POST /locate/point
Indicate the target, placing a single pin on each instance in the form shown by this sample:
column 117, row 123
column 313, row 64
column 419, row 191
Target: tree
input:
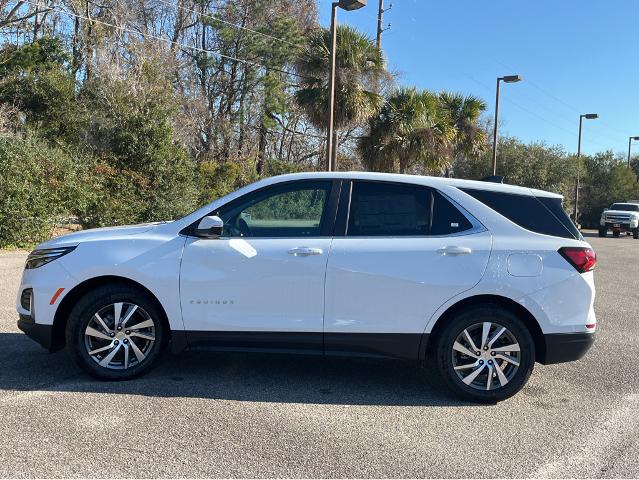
column 607, row 179
column 410, row 132
column 358, row 63
column 35, row 78
column 463, row 113
column 534, row 164
column 145, row 173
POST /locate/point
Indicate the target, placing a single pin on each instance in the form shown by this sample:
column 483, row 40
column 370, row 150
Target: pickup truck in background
column 620, row 217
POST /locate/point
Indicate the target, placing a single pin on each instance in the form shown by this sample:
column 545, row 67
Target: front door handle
column 454, row 250
column 304, row 251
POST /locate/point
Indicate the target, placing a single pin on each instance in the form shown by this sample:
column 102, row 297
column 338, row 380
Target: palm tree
column 358, row 64
column 464, row 113
column 411, row 132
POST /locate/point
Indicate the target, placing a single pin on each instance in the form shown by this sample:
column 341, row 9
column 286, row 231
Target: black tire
column 93, row 302
column 468, row 318
column 615, row 233
column 635, row 233
column 603, row 231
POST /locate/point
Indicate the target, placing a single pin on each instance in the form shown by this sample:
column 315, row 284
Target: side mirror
column 606, row 209
column 210, row 227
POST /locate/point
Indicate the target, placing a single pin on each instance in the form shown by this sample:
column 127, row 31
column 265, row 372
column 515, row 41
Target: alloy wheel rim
column 120, row 336
column 486, row 356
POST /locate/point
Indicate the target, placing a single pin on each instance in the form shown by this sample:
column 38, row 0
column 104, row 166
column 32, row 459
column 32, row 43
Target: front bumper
column 621, row 223
column 43, row 334
column 619, row 226
column 565, row 347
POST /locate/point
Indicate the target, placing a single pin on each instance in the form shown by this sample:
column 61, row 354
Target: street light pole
column 630, row 139
column 331, row 90
column 575, row 212
column 331, row 147
column 506, row 79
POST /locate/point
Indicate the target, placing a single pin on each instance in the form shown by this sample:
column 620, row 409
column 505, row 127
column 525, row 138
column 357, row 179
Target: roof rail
column 493, row 179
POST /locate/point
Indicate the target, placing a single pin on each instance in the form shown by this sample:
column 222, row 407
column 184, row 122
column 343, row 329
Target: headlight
column 37, row 258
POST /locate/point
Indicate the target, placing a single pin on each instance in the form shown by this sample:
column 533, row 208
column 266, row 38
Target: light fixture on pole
column 630, row 139
column 575, row 212
column 506, row 79
column 347, row 5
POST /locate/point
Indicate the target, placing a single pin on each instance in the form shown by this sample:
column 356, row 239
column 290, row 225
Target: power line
column 560, row 100
column 573, row 108
column 226, row 22
column 521, row 107
column 155, row 37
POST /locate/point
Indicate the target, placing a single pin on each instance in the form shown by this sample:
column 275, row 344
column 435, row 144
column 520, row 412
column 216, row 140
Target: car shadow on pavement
column 26, row 367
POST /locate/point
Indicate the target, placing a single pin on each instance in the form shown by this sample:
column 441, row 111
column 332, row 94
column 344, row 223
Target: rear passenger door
column 400, row 251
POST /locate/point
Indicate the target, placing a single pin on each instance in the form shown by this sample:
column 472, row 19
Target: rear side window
column 537, row 214
column 384, row 209
column 381, row 209
column 447, row 219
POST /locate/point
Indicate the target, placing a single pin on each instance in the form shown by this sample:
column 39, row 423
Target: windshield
column 626, row 207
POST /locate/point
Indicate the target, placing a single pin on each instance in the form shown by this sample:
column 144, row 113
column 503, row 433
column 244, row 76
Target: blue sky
column 575, row 57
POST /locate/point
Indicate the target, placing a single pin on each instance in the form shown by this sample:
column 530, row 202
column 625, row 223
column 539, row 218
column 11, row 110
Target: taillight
column 582, row 258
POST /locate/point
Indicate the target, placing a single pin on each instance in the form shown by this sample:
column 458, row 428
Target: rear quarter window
column 543, row 215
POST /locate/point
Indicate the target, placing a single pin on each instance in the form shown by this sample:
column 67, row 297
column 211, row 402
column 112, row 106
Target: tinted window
column 387, row 209
column 295, row 210
column 538, row 214
column 447, row 219
column 624, row 207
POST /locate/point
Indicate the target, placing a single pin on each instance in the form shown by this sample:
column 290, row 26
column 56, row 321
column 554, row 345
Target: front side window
column 294, row 210
column 381, row 209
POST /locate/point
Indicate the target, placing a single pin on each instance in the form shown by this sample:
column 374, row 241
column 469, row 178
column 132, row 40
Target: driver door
column 261, row 284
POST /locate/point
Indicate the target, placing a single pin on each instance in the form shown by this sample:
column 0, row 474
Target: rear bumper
column 43, row 334
column 565, row 347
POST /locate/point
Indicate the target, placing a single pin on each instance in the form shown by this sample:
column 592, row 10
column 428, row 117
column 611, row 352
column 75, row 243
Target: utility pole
column 380, row 28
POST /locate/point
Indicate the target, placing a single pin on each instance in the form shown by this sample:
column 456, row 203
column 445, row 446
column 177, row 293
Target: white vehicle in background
column 483, row 278
column 620, row 217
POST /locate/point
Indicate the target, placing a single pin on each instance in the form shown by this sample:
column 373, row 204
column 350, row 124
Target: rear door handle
column 304, row 251
column 454, row 250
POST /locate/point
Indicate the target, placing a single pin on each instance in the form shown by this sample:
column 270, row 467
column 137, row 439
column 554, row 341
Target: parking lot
column 210, row 414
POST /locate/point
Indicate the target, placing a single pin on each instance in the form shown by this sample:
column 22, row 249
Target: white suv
column 483, row 278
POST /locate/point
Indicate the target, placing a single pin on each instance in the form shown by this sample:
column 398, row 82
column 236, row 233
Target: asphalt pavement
column 204, row 414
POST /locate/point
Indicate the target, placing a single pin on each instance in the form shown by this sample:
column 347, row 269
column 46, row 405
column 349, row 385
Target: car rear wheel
column 485, row 354
column 603, row 232
column 115, row 332
column 615, row 233
column 635, row 233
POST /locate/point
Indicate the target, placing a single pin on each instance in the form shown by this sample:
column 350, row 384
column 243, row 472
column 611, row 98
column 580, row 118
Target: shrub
column 215, row 180
column 143, row 174
column 163, row 191
column 39, row 186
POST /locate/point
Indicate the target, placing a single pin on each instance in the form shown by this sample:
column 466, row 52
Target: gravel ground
column 231, row 415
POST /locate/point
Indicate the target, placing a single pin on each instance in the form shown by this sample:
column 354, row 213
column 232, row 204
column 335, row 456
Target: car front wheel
column 115, row 332
column 485, row 354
